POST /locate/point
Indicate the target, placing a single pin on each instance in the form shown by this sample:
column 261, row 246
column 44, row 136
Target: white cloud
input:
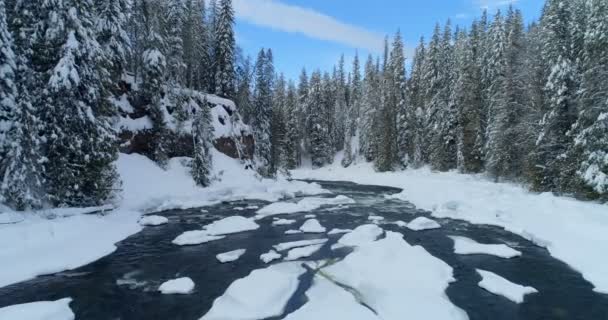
column 493, row 4
column 289, row 18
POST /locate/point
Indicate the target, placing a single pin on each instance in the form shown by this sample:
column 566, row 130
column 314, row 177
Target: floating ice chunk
column 304, row 205
column 190, row 238
column 464, row 245
column 260, row 295
column 361, row 235
column 43, row 310
column 283, row 222
column 310, row 216
column 303, row 252
column 328, row 301
column 339, row 231
column 153, row 221
column 401, row 224
column 375, row 219
column 312, row 226
column 293, row 232
column 423, row 223
column 270, row 256
column 503, row 287
column 231, row 225
column 177, row 286
column 230, row 256
column 296, row 244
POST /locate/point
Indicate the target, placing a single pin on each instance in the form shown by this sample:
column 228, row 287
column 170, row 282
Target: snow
column 339, row 231
column 383, row 277
column 328, row 301
column 303, row 252
column 260, row 295
column 230, row 225
column 464, row 245
column 270, row 256
column 147, row 187
column 38, row 245
column 304, row 205
column 134, row 125
column 361, row 235
column 191, row 238
column 423, row 223
column 283, row 222
column 375, row 219
column 501, row 286
column 293, row 232
column 44, row 310
column 295, row 244
column 312, row 226
column 177, row 286
column 230, row 256
column 153, row 220
column 573, row 231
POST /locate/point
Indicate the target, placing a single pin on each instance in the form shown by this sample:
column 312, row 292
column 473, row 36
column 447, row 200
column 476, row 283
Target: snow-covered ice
column 310, row 216
column 260, row 295
column 339, row 231
column 302, row 252
column 44, row 310
column 270, row 256
column 295, row 244
column 304, row 205
column 423, row 223
column 328, row 301
column 312, row 226
column 283, row 222
column 293, row 232
column 501, row 286
column 375, row 219
column 573, row 231
column 230, row 256
column 231, row 225
column 384, row 277
column 361, row 235
column 153, row 220
column 196, row 237
column 177, row 286
column 464, row 245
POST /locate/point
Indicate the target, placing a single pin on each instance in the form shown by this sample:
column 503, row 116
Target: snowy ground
column 36, row 245
column 573, row 231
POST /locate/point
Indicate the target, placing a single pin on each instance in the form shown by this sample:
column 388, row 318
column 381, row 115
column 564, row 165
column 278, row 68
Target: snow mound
column 295, row 244
column 153, row 221
column 464, row 245
column 303, row 252
column 260, row 295
column 503, row 287
column 283, row 222
column 328, row 301
column 339, row 231
column 270, row 256
column 361, row 235
column 312, row 226
column 44, row 310
column 230, row 256
column 177, row 286
column 196, row 237
column 230, row 225
column 423, row 223
column 304, row 205
column 385, row 279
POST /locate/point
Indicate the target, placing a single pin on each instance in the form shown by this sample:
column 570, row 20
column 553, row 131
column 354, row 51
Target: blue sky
column 314, row 33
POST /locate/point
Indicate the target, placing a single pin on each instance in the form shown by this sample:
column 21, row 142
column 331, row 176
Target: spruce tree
column 352, row 115
column 224, row 50
column 111, row 24
column 369, row 105
column 202, row 135
column 174, row 32
column 278, row 126
column 398, row 97
column 292, row 135
column 262, row 114
column 416, row 97
column 244, row 96
column 302, row 114
column 318, row 132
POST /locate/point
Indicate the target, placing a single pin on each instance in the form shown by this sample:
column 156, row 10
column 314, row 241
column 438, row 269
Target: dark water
column 123, row 285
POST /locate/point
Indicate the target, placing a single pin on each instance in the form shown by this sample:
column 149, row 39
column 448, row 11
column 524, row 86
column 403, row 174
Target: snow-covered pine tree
column 341, row 105
column 262, row 114
column 398, row 97
column 317, row 117
column 468, row 97
column 386, row 130
column 416, row 98
column 111, row 23
column 553, row 144
column 369, row 105
column 352, row 115
column 302, row 114
column 592, row 125
column 196, row 45
column 175, row 12
column 202, row 135
column 153, row 87
column 224, row 50
column 80, row 142
column 244, row 82
column 277, row 125
column 328, row 119
column 292, row 135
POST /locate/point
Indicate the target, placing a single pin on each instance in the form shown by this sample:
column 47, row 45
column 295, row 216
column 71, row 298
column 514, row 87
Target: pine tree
column 369, row 105
column 302, row 114
column 292, row 135
column 174, row 53
column 80, row 142
column 111, row 24
column 318, row 132
column 352, row 116
column 262, row 115
column 399, row 100
column 341, row 105
column 202, row 135
column 416, row 97
column 224, row 50
column 278, row 126
column 244, row 98
column 328, row 116
column 195, row 40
